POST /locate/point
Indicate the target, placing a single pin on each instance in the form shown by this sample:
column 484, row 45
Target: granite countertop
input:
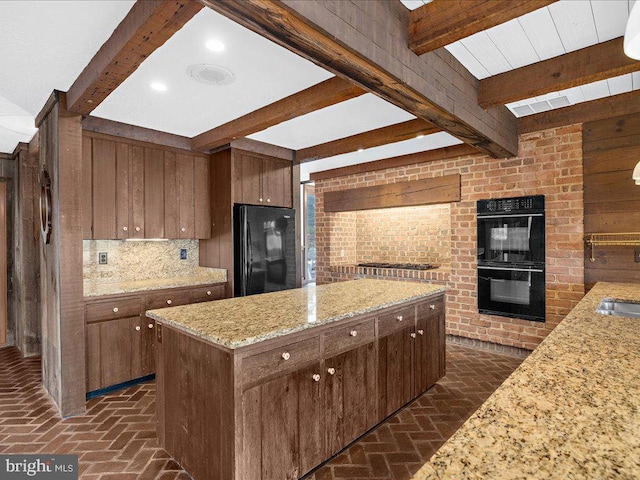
column 570, row 411
column 237, row 322
column 95, row 288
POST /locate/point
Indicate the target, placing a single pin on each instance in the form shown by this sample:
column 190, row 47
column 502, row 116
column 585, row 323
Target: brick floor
column 115, row 439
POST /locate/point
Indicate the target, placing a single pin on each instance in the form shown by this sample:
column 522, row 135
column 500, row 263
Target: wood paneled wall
column 611, row 149
column 63, row 334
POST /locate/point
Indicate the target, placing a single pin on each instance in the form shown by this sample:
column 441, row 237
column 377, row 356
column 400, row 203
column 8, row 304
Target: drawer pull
column 286, row 356
column 353, row 333
column 137, row 229
column 268, row 200
column 316, row 377
column 151, row 325
column 421, row 332
column 208, row 292
column 183, row 229
column 399, row 318
column 413, row 335
column 124, row 229
column 432, row 307
column 115, row 309
column 331, row 371
column 261, row 200
column 169, row 302
column 137, row 328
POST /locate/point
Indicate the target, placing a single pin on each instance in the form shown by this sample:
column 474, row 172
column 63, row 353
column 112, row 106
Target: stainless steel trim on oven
column 511, row 269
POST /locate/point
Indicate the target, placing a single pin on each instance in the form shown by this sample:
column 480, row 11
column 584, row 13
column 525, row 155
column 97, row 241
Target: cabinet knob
column 183, row 229
column 151, row 325
column 137, row 229
column 268, row 200
column 260, row 199
column 208, row 292
column 399, row 318
column 169, row 302
column 124, row 229
column 353, row 333
column 137, row 328
column 286, row 356
column 115, row 309
column 316, row 377
column 432, row 307
column 421, row 332
column 331, row 371
column 413, row 335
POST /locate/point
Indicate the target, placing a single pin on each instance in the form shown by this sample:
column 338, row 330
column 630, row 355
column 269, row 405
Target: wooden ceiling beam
column 373, row 138
column 365, row 42
column 617, row 105
column 147, row 26
column 443, row 22
column 591, row 64
column 321, row 95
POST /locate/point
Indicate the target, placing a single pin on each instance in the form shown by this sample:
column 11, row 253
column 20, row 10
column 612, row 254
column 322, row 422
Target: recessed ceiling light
column 361, row 150
column 158, row 86
column 420, row 136
column 215, row 45
column 210, row 74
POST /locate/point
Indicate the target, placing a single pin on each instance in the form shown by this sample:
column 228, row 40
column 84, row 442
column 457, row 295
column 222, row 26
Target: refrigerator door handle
column 250, row 269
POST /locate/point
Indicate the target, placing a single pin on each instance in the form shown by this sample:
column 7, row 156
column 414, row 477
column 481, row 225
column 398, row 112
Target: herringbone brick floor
column 116, row 439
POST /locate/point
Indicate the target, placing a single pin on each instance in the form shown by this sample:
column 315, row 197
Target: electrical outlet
column 102, row 258
column 183, row 254
column 637, row 255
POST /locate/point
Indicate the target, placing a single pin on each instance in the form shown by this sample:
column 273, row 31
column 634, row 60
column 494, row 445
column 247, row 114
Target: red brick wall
column 550, row 163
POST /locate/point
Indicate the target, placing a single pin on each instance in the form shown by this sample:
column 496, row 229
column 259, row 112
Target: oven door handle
column 511, row 269
column 508, row 215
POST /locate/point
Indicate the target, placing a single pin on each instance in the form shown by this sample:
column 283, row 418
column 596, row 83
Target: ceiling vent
column 210, row 74
column 542, row 106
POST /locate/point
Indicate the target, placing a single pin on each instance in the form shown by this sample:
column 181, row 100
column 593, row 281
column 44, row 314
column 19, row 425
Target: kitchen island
column 571, row 410
column 269, row 386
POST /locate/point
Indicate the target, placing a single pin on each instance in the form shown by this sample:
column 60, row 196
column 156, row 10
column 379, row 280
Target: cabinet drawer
column 348, row 337
column 112, row 309
column 391, row 322
column 207, row 293
column 430, row 308
column 169, row 299
column 280, row 360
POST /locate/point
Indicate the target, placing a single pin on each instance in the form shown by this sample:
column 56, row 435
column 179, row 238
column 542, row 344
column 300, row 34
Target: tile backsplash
column 139, row 260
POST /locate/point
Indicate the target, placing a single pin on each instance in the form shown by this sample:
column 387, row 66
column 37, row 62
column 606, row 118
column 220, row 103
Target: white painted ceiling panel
column 635, row 78
column 264, row 72
column 464, row 56
column 16, row 125
column 610, row 18
column 539, row 28
column 486, row 52
column 513, row 43
column 575, row 24
column 595, row 90
column 621, row 84
column 366, row 112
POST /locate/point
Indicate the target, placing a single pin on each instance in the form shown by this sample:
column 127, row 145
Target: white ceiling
column 40, row 55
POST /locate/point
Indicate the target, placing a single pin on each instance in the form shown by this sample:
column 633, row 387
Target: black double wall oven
column 511, row 257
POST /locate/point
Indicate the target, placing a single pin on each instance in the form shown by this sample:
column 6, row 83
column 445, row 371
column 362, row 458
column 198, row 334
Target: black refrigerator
column 264, row 241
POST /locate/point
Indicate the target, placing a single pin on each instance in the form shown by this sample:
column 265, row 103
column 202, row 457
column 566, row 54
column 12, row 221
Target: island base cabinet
column 282, row 427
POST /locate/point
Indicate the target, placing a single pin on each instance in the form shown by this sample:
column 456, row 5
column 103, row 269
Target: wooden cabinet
column 261, row 180
column 136, row 191
column 294, row 401
column 120, row 339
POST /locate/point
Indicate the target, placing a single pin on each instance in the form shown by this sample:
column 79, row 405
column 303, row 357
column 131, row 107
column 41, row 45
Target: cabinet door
column 143, row 346
column 136, row 193
column 153, row 193
column 395, row 369
column 171, row 196
column 350, row 396
column 109, row 352
column 87, row 188
column 276, row 182
column 282, row 426
column 104, row 189
column 123, row 190
column 186, row 199
column 202, row 199
column 429, row 345
column 247, row 181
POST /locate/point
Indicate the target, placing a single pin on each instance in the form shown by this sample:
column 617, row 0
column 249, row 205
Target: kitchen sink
column 608, row 306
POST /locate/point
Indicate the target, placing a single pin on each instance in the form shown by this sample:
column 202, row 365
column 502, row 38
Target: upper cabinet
column 261, row 180
column 132, row 190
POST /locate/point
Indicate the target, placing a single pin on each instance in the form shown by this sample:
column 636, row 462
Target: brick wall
column 549, row 163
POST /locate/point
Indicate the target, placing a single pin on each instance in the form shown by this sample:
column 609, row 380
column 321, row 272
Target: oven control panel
column 511, row 205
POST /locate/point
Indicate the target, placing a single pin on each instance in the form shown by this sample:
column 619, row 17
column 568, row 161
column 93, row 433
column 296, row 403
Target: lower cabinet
column 120, row 339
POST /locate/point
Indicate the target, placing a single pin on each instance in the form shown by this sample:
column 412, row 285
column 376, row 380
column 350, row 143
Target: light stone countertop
column 237, row 322
column 96, row 288
column 570, row 411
